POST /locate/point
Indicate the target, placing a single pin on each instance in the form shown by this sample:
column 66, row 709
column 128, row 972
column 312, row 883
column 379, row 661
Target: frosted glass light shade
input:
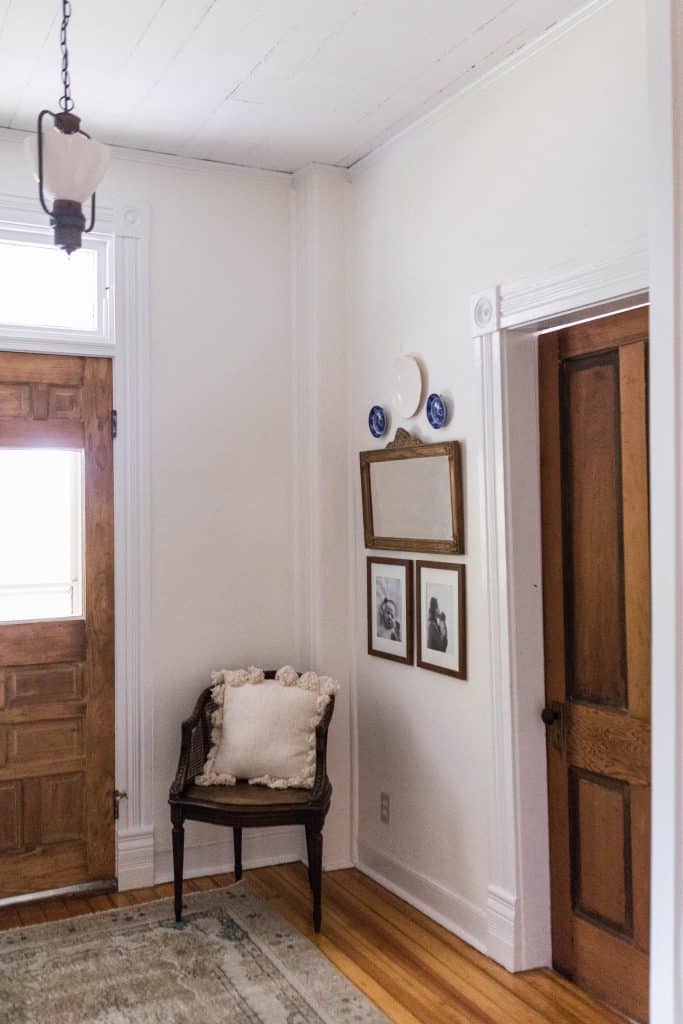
column 73, row 166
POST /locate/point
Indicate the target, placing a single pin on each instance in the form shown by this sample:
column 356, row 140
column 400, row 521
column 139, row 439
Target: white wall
column 541, row 166
column 224, row 571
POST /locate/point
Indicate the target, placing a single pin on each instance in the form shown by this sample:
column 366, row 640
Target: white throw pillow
column 264, row 730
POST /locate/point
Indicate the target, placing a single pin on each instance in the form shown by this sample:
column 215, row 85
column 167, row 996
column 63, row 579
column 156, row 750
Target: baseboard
column 443, row 905
column 341, row 864
column 261, row 847
column 502, row 938
column 135, row 858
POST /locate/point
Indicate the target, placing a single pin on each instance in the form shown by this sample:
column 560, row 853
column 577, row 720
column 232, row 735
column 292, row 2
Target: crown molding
column 480, row 81
column 170, row 161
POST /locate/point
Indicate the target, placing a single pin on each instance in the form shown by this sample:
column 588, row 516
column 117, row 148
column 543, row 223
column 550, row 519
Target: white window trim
column 25, row 215
column 123, row 231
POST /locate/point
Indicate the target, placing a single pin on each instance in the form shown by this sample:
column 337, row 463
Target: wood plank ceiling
column 264, row 83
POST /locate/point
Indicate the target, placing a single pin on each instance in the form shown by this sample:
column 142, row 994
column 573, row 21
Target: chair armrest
column 194, row 747
column 321, row 752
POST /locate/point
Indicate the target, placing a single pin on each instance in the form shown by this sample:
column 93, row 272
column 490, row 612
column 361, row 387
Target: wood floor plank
column 123, row 899
column 460, row 985
column 384, row 959
column 412, row 968
column 101, row 902
column 9, row 918
column 456, row 954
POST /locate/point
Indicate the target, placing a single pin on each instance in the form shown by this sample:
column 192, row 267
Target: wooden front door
column 56, row 638
column 596, row 596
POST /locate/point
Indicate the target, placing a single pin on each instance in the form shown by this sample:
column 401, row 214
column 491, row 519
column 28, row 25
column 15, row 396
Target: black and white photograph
column 389, row 602
column 390, row 609
column 441, row 634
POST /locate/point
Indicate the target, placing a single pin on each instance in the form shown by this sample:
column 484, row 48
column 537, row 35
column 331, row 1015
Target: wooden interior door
column 596, row 587
column 57, row 674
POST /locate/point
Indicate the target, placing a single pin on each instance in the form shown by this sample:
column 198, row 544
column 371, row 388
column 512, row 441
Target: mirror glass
column 412, row 498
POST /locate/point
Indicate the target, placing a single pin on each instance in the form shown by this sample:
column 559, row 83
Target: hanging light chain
column 66, row 102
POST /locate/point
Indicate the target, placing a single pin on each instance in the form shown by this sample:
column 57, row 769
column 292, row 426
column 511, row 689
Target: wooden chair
column 244, row 806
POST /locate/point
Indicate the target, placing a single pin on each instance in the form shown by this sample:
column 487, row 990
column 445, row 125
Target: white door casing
column 123, row 233
column 506, row 322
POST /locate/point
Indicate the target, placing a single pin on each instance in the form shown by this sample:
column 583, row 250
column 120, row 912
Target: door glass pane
column 41, row 534
column 42, row 288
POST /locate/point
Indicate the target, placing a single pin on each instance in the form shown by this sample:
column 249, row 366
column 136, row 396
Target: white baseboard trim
column 342, row 864
column 135, row 858
column 261, row 847
column 503, row 940
column 448, row 908
column 139, row 865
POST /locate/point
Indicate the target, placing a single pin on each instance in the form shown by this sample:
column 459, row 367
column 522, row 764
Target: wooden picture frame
column 440, row 598
column 402, row 449
column 398, row 576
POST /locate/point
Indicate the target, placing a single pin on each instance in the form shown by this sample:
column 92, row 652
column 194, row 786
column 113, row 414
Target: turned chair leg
column 315, row 867
column 309, row 854
column 178, row 850
column 237, row 840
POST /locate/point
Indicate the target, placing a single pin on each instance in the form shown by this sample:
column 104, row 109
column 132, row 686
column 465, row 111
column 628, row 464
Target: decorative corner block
column 484, row 312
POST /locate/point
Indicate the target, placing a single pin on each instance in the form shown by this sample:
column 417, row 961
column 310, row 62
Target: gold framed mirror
column 412, row 496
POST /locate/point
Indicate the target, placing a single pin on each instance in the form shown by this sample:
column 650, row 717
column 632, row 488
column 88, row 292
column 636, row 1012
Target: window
column 42, row 287
column 41, row 534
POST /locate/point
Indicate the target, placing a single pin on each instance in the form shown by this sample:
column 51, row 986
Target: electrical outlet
column 384, row 808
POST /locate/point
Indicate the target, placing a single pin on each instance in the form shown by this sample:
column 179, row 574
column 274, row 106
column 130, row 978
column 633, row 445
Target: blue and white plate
column 436, row 411
column 377, row 421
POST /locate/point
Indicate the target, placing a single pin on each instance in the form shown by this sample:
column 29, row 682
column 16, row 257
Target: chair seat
column 244, row 795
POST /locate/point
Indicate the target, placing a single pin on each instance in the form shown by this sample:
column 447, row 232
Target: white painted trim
column 518, row 903
column 125, row 227
column 482, row 80
column 572, row 289
column 134, row 855
column 448, row 908
column 261, row 847
column 665, row 23
column 132, row 510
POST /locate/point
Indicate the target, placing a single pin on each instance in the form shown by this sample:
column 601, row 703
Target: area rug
column 233, row 960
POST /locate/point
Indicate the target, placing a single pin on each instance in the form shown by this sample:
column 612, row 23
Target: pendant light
column 68, row 165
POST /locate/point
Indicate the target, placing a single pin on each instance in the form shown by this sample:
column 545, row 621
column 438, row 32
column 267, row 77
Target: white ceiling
column 266, row 83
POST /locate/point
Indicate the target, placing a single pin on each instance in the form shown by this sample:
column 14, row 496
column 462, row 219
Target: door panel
column 594, row 578
column 593, row 418
column 57, row 675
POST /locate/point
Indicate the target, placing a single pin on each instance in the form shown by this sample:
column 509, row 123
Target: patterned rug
column 233, row 960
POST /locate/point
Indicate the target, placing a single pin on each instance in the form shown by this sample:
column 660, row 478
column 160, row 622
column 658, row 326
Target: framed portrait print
column 390, row 609
column 441, row 626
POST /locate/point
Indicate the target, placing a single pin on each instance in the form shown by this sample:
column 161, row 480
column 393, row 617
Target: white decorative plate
column 406, row 389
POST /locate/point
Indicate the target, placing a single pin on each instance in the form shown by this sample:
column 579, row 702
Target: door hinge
column 118, row 797
column 114, row 423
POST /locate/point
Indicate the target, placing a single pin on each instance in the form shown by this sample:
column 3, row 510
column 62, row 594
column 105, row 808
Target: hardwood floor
column 411, row 967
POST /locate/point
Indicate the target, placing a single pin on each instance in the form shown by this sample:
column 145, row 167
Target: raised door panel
column 592, row 533
column 11, row 829
column 46, row 742
column 62, row 809
column 601, row 852
column 15, row 401
column 40, row 684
